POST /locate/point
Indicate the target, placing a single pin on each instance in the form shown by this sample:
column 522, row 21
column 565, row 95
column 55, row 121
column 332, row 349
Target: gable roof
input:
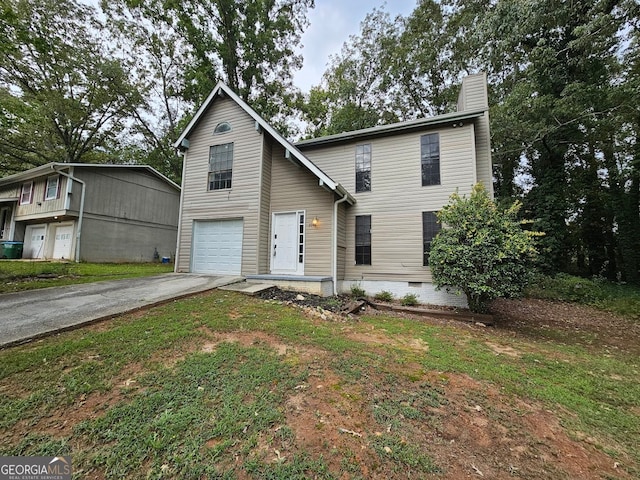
column 52, row 167
column 323, row 179
column 393, row 128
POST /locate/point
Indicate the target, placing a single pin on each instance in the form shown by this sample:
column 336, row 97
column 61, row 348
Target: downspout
column 80, row 213
column 335, row 243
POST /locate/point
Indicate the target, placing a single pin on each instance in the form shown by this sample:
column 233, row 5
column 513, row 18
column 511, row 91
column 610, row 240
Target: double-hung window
column 220, row 166
column 363, row 240
column 26, row 194
column 363, row 168
column 430, row 159
column 430, row 228
column 53, row 188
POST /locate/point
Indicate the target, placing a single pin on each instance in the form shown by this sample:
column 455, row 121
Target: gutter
column 334, row 267
column 80, row 213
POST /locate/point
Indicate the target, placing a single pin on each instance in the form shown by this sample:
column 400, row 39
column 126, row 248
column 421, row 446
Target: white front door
column 287, row 243
column 62, row 243
column 34, row 241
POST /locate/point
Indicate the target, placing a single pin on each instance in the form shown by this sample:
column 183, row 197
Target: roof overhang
column 51, row 168
column 293, row 153
column 392, row 129
column 9, row 200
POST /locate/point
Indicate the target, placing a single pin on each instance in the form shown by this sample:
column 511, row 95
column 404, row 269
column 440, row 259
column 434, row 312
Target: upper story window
column 26, row 194
column 222, row 127
column 220, row 166
column 53, row 188
column 363, row 168
column 363, row 240
column 430, row 159
column 430, row 228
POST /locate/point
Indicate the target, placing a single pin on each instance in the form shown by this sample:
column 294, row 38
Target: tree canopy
column 63, row 96
column 117, row 84
column 565, row 109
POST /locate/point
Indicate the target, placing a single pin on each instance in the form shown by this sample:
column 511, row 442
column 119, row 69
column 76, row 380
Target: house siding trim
column 323, row 179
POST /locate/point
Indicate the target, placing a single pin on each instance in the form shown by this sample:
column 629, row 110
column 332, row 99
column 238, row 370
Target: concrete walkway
column 36, row 313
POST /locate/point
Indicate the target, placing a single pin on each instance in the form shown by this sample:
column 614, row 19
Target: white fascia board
column 198, row 114
column 288, row 146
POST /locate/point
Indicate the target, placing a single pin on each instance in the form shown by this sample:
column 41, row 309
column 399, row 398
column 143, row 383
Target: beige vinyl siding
column 473, row 96
column 397, row 198
column 242, row 200
column 342, row 241
column 40, row 207
column 265, row 211
column 483, row 153
column 294, row 188
column 473, row 93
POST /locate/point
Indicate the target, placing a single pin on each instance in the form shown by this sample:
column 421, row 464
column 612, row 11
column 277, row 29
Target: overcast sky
column 331, row 23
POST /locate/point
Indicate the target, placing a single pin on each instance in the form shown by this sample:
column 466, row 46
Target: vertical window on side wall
column 220, row 166
column 363, row 240
column 26, row 194
column 363, row 168
column 430, row 159
column 53, row 188
column 430, row 228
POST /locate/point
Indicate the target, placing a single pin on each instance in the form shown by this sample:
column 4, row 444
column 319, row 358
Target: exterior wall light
column 315, row 222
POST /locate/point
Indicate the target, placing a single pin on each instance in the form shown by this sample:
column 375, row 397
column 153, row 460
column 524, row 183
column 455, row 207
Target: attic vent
column 222, row 127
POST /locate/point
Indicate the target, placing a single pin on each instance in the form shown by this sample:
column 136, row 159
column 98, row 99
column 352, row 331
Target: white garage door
column 217, row 247
column 62, row 243
column 34, row 241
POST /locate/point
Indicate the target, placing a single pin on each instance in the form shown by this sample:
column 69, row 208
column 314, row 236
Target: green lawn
column 226, row 386
column 18, row 276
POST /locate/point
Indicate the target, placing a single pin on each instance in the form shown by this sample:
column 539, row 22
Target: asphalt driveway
column 35, row 313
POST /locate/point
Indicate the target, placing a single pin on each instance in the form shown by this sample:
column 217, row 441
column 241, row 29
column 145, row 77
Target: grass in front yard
column 19, row 276
column 225, row 386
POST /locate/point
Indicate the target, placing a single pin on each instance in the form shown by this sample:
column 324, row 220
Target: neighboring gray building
column 103, row 213
column 327, row 213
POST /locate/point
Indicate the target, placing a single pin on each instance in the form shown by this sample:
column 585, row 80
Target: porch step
column 248, row 288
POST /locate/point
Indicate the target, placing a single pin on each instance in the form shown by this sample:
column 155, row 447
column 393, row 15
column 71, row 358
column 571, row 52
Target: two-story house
column 90, row 212
column 357, row 208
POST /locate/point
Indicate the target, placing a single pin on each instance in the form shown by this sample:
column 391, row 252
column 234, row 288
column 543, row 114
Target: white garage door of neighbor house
column 62, row 243
column 34, row 241
column 217, row 247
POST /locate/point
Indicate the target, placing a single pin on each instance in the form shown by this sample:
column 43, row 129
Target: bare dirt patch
column 568, row 323
column 471, row 429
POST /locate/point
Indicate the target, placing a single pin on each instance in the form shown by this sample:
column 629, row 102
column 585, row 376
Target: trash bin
column 11, row 250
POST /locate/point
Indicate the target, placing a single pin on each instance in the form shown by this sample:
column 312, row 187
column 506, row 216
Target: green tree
column 156, row 58
column 64, row 96
column 349, row 96
column 250, row 44
column 394, row 69
column 482, row 249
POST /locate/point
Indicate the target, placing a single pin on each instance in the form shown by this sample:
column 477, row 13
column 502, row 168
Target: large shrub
column 481, row 249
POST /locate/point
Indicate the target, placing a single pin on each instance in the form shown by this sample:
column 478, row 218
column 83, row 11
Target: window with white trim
column 53, row 188
column 430, row 228
column 363, row 240
column 222, row 127
column 220, row 166
column 300, row 237
column 26, row 194
column 430, row 159
column 363, row 168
